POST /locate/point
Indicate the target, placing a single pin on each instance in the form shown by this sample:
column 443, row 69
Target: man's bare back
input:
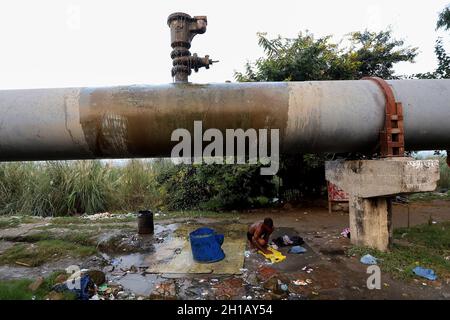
column 258, row 234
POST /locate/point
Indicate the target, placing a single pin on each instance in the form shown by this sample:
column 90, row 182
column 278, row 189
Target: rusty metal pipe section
column 183, row 28
column 137, row 121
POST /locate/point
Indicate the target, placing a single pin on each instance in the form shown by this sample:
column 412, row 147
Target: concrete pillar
column 370, row 223
column 371, row 184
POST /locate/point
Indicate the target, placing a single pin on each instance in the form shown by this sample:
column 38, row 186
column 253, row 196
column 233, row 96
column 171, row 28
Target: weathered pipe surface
column 137, row 121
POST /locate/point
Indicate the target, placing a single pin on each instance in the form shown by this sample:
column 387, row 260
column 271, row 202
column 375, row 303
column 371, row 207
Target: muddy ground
column 325, row 271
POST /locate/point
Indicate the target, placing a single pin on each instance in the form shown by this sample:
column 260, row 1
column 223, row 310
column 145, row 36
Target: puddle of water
column 139, row 284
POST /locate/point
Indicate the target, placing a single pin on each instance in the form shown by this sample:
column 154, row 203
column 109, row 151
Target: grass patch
column 434, row 236
column 43, row 251
column 15, row 290
column 429, row 196
column 79, row 237
column 9, row 223
column 427, row 246
column 19, row 289
column 15, row 221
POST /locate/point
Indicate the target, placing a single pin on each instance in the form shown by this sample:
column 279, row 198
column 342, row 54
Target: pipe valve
column 183, row 28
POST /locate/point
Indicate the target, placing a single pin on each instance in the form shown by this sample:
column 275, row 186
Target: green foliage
column 137, row 186
column 215, row 187
column 443, row 69
column 376, row 53
column 15, row 289
column 306, row 58
column 63, row 188
column 444, row 19
column 19, row 289
column 13, row 186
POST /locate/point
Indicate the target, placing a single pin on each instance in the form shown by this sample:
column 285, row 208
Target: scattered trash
column 247, row 254
column 425, row 273
column 36, row 284
column 307, row 269
column 300, row 283
column 297, row 250
column 346, row 233
column 368, row 259
column 103, row 287
column 86, row 290
column 107, row 215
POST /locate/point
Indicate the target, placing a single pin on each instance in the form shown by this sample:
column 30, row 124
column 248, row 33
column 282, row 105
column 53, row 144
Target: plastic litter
column 346, row 233
column 297, row 250
column 300, row 283
column 368, row 259
column 425, row 273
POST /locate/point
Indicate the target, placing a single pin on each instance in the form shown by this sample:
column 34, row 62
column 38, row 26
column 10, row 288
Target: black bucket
column 145, row 222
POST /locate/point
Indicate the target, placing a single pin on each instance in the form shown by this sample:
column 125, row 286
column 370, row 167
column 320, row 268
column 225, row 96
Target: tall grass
column 61, row 188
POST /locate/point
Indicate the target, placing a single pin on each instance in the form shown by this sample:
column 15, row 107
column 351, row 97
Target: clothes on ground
column 285, row 241
column 297, row 250
column 425, row 273
column 275, row 256
column 83, row 292
column 368, row 259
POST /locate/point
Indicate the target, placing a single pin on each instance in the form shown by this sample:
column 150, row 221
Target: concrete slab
column 370, row 183
column 383, row 177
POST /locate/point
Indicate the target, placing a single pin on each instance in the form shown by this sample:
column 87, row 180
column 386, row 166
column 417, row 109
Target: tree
column 443, row 69
column 306, row 58
column 444, row 19
column 377, row 53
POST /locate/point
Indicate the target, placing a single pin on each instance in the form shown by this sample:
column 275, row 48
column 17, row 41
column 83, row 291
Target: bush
column 60, row 188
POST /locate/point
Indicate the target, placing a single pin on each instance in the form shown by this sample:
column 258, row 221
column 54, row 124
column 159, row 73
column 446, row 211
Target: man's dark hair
column 268, row 222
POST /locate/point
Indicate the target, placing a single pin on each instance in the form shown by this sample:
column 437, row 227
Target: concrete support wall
column 370, row 184
column 370, row 223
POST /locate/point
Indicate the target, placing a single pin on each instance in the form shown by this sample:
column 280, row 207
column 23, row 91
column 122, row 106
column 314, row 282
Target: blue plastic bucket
column 206, row 245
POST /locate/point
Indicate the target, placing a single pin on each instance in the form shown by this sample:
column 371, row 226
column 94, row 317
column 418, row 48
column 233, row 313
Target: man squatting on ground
column 258, row 234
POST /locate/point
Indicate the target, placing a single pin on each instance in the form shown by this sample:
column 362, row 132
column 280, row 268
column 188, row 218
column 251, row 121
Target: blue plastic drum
column 206, row 245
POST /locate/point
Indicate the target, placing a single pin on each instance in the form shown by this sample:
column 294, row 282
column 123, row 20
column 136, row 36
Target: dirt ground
column 323, row 272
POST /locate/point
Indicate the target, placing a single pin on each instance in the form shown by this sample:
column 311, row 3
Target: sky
column 71, row 43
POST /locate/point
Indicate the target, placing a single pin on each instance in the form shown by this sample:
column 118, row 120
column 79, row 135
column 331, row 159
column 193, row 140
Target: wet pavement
column 323, row 272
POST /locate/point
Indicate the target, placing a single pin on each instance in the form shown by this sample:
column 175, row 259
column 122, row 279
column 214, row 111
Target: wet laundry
column 285, row 241
column 297, row 250
column 274, row 257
